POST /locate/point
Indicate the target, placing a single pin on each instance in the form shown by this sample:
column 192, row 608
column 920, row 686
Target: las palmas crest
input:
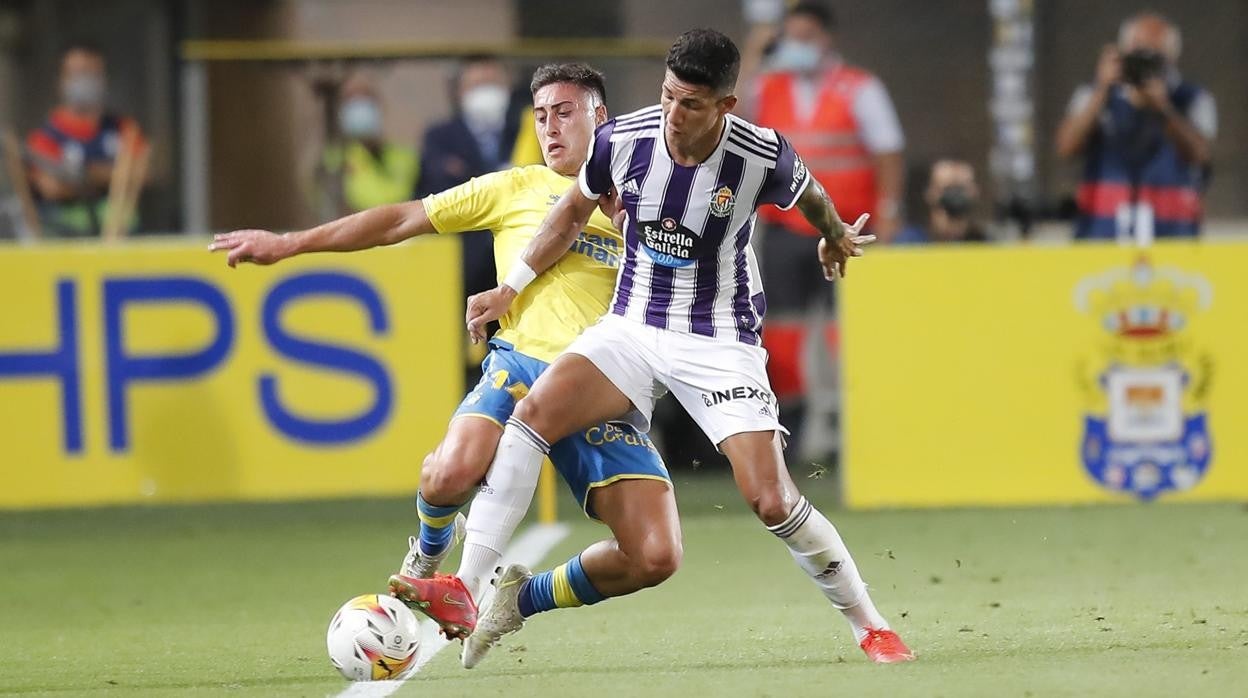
column 1147, row 381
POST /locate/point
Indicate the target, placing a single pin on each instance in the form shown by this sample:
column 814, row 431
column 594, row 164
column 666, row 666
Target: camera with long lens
column 1141, row 65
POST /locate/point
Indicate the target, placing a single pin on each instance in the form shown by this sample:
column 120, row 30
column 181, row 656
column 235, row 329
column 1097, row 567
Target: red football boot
column 885, row 647
column 443, row 598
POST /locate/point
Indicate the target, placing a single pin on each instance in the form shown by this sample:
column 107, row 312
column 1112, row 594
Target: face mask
column 797, row 56
column 485, row 107
column 83, row 91
column 956, row 201
column 360, row 117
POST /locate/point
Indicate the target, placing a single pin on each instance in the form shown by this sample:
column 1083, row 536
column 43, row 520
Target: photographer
column 952, row 198
column 1145, row 135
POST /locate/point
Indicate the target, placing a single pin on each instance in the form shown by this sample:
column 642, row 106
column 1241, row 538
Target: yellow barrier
column 152, row 372
column 1046, row 375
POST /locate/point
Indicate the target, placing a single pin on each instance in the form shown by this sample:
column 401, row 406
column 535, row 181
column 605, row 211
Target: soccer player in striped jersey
column 686, row 315
column 614, row 471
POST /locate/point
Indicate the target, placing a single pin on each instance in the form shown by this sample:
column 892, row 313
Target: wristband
column 520, row 276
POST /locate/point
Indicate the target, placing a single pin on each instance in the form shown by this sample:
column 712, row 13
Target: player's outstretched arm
column 554, row 237
column 837, row 241
column 382, row 225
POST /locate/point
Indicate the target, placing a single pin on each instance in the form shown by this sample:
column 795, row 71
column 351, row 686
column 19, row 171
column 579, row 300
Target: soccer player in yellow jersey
column 613, row 470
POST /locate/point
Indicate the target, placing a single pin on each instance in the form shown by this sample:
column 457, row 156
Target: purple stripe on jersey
column 648, row 112
column 598, row 167
column 663, row 279
column 639, row 128
column 751, row 148
column 748, row 137
column 638, row 168
column 702, row 314
column 742, row 309
column 787, row 178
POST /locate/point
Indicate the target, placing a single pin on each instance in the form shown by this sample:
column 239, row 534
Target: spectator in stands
column 477, row 139
column 73, row 153
column 1145, row 135
column 951, row 197
column 839, row 118
column 360, row 169
column 842, row 122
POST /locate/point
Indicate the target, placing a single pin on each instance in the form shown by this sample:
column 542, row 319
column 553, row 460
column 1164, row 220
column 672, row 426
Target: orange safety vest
column 827, row 141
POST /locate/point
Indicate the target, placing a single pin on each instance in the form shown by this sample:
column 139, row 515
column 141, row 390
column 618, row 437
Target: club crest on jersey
column 722, row 202
column 1146, row 383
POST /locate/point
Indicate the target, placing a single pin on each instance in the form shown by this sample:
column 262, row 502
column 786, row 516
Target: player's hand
column 612, row 207
column 486, row 307
column 835, row 257
column 255, row 246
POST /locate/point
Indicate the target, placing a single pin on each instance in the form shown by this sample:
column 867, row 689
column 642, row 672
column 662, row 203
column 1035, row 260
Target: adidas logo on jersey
column 630, row 187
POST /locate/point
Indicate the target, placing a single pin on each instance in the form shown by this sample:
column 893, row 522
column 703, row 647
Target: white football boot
column 500, row 618
column 422, row 566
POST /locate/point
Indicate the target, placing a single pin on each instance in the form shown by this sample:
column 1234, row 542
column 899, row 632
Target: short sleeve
column 878, row 125
column 784, row 185
column 1203, row 113
column 1079, row 99
column 474, row 205
column 595, row 176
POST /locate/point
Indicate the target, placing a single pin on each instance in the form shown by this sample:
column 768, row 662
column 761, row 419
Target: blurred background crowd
column 969, row 121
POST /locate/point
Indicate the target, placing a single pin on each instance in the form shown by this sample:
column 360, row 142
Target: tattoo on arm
column 817, row 207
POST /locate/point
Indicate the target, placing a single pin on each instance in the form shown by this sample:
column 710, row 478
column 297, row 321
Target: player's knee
column 771, row 506
column 531, row 413
column 657, row 563
column 450, row 478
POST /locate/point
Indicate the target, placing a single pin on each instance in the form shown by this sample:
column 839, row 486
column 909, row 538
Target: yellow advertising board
column 1039, row 375
column 153, row 372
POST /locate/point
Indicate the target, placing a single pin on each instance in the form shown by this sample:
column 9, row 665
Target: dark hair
column 705, row 57
column 582, row 75
column 822, row 14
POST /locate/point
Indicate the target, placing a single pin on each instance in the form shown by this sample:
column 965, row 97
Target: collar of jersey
column 719, row 147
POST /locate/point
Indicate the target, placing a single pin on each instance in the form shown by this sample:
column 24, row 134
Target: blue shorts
column 596, row 457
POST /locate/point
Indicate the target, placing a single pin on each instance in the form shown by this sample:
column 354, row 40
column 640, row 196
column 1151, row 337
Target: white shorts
column 721, row 384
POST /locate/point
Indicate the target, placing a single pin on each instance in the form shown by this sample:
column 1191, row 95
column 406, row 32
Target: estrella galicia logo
column 670, row 244
column 741, row 392
column 1147, row 383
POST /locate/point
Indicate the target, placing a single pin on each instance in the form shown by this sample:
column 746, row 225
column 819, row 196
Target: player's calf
column 451, row 477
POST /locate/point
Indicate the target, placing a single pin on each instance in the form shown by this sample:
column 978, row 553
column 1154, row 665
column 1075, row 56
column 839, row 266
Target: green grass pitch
column 1126, row 600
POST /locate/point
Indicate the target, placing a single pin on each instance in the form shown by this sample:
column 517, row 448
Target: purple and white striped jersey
column 688, row 265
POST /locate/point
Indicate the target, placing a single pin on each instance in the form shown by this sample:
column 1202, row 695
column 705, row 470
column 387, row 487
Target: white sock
column 501, row 503
column 476, row 567
column 819, row 551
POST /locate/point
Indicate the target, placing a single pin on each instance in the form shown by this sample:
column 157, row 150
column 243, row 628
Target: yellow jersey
column 561, row 302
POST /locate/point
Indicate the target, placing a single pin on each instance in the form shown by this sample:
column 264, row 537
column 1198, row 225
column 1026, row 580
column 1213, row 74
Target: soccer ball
column 373, row 637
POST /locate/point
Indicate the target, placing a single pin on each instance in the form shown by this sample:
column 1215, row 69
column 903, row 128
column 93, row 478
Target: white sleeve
column 1079, row 99
column 877, row 120
column 1203, row 113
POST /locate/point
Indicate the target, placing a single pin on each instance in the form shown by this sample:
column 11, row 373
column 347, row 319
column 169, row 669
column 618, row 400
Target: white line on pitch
column 528, row 549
